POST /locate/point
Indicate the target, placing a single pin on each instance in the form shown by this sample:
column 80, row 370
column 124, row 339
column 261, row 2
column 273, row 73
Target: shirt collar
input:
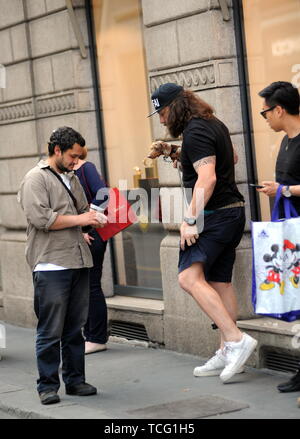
column 43, row 164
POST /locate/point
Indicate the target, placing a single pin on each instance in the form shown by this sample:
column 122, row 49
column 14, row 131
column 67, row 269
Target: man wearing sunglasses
column 281, row 111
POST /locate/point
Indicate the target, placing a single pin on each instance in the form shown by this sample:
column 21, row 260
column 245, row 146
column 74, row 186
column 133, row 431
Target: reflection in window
column 273, row 54
column 125, row 98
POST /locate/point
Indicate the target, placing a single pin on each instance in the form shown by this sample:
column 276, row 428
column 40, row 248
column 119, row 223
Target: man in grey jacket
column 56, row 210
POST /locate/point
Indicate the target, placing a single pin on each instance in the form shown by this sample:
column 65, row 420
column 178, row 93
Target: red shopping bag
column 119, row 213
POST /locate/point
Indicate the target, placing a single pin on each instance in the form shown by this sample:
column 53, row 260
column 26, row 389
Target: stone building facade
column 49, row 83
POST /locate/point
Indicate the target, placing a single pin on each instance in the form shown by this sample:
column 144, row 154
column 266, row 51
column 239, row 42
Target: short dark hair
column 284, row 94
column 64, row 137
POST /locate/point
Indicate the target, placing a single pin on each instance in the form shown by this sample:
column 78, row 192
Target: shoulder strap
column 86, row 184
column 66, row 187
column 85, row 229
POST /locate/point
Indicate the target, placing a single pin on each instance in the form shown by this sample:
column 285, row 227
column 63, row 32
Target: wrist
column 189, row 220
column 286, row 191
column 80, row 220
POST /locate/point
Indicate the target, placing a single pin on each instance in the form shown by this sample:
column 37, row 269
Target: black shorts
column 215, row 247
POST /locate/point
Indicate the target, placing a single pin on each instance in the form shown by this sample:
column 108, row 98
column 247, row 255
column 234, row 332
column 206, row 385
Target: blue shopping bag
column 276, row 263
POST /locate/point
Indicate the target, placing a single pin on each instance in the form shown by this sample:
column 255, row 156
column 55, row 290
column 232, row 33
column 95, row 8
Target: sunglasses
column 263, row 113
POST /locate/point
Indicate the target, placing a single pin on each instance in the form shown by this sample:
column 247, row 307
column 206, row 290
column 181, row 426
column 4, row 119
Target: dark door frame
column 238, row 17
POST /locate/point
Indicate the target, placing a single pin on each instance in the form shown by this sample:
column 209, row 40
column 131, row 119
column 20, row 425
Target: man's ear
column 57, row 150
column 280, row 111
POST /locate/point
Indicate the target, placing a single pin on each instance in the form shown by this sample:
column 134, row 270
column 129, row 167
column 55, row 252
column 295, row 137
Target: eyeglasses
column 263, row 113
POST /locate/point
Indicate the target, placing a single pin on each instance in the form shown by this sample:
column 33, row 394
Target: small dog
column 166, row 149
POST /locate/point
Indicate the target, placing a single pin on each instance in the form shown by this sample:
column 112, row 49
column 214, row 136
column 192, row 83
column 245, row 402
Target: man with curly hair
column 207, row 254
column 56, row 210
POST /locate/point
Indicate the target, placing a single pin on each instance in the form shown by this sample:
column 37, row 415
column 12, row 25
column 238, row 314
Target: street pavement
column 134, row 381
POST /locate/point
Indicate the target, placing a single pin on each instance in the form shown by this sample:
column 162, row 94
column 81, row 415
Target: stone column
column 189, row 43
column 49, row 85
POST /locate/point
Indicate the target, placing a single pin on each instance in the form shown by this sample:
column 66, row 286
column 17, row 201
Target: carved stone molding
column 72, row 101
column 55, row 104
column 16, row 111
column 194, row 78
column 198, row 76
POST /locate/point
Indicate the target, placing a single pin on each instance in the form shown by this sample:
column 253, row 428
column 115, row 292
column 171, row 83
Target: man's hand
column 188, row 235
column 177, row 165
column 270, row 188
column 88, row 238
column 92, row 218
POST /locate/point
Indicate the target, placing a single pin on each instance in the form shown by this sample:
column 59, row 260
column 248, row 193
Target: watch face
column 287, row 193
column 190, row 221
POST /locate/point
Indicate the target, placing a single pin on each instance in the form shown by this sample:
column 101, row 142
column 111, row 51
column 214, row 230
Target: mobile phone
column 257, row 186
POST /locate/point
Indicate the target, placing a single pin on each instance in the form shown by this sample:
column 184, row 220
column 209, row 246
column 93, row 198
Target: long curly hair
column 184, row 107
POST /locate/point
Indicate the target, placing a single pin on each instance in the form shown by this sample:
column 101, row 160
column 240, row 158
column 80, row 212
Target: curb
column 22, row 414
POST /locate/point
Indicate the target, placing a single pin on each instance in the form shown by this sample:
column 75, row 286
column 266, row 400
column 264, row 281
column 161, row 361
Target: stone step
column 273, row 335
column 136, row 310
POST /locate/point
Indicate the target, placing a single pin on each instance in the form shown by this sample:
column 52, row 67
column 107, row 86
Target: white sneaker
column 236, row 355
column 90, row 347
column 214, row 366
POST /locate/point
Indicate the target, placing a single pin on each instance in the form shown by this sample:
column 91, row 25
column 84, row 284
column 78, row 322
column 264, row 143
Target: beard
column 62, row 168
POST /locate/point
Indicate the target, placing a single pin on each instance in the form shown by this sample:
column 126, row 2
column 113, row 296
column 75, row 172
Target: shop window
column 127, row 132
column 272, row 41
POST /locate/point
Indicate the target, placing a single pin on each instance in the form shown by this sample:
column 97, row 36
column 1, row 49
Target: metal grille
column 131, row 331
column 281, row 361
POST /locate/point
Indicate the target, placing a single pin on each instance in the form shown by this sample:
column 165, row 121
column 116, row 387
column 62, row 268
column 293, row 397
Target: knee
column 185, row 282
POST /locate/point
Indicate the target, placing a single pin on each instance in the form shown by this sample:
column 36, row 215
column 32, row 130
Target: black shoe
column 293, row 385
column 81, row 389
column 50, row 397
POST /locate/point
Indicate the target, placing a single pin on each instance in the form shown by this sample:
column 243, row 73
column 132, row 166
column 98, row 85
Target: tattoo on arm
column 204, row 161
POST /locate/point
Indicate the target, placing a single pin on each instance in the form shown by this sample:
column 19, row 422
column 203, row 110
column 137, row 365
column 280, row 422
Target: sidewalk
column 136, row 382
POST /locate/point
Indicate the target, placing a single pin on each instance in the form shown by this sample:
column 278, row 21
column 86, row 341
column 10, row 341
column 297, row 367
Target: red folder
column 119, row 213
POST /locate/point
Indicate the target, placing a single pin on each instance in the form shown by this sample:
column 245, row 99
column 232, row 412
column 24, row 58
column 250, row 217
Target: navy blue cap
column 164, row 95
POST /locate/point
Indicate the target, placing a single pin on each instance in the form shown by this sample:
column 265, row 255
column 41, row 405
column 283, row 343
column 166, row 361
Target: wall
column 49, row 84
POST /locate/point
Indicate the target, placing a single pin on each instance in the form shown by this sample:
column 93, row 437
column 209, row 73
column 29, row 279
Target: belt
column 229, row 206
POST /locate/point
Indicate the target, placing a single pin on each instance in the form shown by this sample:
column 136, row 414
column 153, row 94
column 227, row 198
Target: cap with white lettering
column 164, row 95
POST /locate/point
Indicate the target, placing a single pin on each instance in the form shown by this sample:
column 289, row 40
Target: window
column 273, row 54
column 127, row 131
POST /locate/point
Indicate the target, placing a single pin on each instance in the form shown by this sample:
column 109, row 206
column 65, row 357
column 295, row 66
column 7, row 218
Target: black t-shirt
column 203, row 138
column 288, row 165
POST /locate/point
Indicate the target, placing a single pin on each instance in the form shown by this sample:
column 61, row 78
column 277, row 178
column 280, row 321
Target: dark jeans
column 61, row 306
column 95, row 329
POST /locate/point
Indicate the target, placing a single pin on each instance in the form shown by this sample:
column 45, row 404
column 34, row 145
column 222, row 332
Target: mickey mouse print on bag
column 276, row 264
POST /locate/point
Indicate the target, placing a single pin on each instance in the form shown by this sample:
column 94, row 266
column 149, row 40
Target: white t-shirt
column 44, row 266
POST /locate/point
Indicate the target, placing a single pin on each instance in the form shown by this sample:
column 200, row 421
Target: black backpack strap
column 85, row 229
column 65, row 186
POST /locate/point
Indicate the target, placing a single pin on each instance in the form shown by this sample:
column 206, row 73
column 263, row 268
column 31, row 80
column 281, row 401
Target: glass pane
column 273, row 54
column 124, row 92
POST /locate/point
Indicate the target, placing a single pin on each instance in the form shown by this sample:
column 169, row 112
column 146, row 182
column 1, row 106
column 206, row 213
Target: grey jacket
column 43, row 198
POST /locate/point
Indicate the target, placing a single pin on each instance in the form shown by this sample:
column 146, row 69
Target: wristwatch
column 190, row 221
column 286, row 191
